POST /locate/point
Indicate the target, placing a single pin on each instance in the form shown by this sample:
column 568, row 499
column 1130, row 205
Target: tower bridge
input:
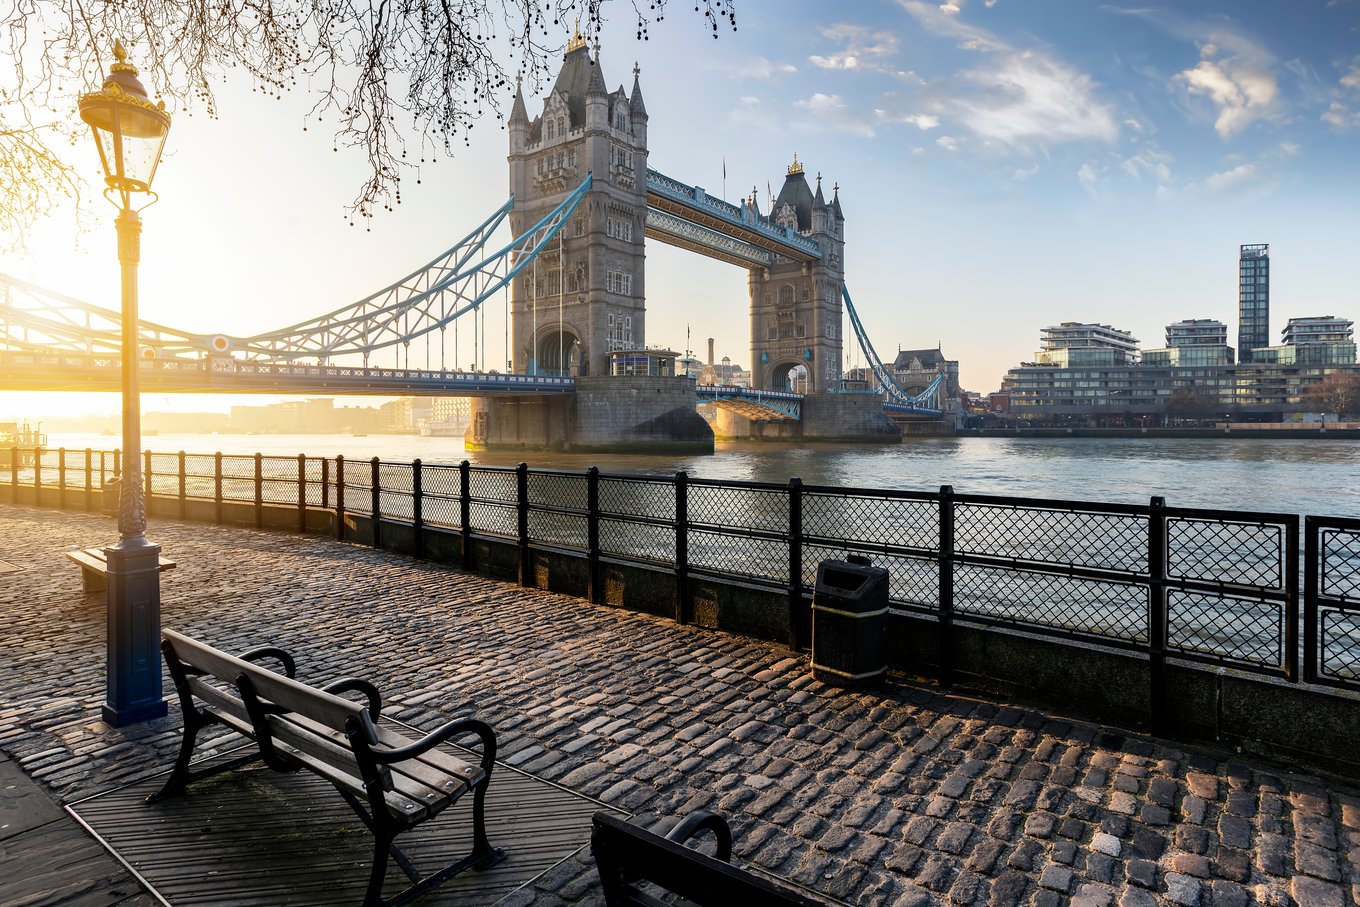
column 583, row 203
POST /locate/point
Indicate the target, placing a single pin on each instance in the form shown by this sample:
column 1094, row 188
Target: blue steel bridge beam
column 692, row 204
column 677, row 231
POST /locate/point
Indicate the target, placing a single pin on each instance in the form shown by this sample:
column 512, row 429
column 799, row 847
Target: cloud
column 1241, row 89
column 1019, row 98
column 1339, row 114
column 1087, row 176
column 1238, row 177
column 1020, row 174
column 922, row 121
column 1341, row 117
column 948, row 143
column 860, row 48
column 828, row 112
column 753, row 113
column 761, row 68
column 1149, row 162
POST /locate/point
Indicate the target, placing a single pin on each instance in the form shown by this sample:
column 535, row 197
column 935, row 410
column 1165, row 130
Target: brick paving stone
column 1228, row 894
column 1056, row 878
column 1142, row 873
column 1182, row 889
column 1308, row 892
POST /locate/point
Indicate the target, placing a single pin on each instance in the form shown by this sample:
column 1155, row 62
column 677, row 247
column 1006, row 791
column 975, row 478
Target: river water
column 1285, row 476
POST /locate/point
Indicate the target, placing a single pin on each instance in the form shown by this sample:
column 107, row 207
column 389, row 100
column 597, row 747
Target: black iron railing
column 1209, row 586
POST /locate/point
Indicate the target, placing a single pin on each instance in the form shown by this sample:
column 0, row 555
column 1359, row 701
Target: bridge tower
column 585, row 296
column 796, row 307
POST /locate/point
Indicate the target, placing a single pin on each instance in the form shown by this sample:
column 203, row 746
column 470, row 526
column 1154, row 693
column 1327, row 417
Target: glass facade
column 1253, row 294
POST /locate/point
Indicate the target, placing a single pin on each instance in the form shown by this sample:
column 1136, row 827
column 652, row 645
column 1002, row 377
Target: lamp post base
column 135, row 691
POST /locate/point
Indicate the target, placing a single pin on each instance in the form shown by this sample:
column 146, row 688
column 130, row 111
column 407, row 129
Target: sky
column 1003, row 165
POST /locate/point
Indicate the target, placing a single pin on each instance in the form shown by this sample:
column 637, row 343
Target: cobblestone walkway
column 902, row 796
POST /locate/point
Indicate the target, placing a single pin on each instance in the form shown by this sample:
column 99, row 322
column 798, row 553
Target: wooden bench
column 94, row 567
column 628, row 856
column 392, row 782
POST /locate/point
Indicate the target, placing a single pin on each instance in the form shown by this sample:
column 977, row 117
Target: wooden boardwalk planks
column 257, row 837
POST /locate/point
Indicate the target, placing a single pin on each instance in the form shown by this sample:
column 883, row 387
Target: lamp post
column 130, row 132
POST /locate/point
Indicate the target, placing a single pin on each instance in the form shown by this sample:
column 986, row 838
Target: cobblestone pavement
column 904, row 796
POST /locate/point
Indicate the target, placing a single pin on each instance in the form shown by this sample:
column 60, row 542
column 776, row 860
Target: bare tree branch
column 387, row 73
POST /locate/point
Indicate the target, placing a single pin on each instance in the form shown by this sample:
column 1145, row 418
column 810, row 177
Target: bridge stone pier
column 610, row 413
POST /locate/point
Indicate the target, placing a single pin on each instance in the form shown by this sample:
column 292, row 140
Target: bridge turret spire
column 519, row 113
column 639, row 109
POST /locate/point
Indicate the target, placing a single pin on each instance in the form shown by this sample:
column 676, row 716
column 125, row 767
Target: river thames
column 1285, row 476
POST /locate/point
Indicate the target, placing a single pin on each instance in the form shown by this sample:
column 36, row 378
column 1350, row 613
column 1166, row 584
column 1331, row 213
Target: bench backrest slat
column 326, row 708
column 624, row 852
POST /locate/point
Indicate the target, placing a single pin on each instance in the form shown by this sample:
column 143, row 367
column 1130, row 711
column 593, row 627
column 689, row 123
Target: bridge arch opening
column 790, row 376
column 559, row 353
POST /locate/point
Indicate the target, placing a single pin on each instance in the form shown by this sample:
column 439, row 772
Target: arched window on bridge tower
column 561, row 126
column 548, row 131
column 786, row 295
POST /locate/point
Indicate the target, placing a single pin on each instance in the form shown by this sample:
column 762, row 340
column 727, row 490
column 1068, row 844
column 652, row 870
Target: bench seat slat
column 332, row 710
column 224, row 705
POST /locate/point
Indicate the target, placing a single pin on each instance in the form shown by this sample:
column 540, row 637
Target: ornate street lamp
column 130, row 131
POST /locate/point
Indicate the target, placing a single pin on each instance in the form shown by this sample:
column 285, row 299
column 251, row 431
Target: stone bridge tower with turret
column 796, row 308
column 585, row 294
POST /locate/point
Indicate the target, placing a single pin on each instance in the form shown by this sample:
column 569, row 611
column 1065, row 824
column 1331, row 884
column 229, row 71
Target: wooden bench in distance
column 94, row 567
column 392, row 782
column 628, row 855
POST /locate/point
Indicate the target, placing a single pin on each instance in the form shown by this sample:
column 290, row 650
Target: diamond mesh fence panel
column 440, row 490
column 164, row 474
column 358, row 485
column 280, row 480
column 1249, row 554
column 760, row 509
column 912, row 581
column 1339, row 642
column 569, row 530
column 568, row 492
column 1243, row 630
column 637, row 541
column 199, row 472
column 74, row 461
column 1113, row 541
column 1108, row 609
column 1339, row 572
column 874, row 521
column 238, row 478
column 45, row 467
column 653, row 498
column 494, row 519
column 741, row 555
column 487, row 484
column 396, row 490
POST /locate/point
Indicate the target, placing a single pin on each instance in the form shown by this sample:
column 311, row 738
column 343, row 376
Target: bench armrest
column 355, row 684
column 289, row 667
column 696, row 822
column 454, row 728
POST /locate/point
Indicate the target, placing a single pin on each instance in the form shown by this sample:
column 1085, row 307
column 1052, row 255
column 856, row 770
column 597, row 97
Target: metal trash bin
column 850, row 623
column 109, row 495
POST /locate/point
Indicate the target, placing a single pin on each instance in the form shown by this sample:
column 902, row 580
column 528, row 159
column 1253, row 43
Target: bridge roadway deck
column 904, row 796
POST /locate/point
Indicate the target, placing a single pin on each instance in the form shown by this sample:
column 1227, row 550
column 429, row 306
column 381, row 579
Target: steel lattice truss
column 426, row 300
column 898, row 399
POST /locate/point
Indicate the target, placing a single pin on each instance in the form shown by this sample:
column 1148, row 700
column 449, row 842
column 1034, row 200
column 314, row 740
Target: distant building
column 1194, row 342
column 916, row 370
column 723, row 372
column 1253, row 300
column 1089, row 345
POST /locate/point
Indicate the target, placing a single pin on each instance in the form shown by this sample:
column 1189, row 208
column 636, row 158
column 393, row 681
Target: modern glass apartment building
column 1193, row 342
column 1253, row 295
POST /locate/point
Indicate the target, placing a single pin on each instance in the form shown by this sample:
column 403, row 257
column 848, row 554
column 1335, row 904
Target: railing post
column 376, row 504
column 259, row 491
column 183, row 485
column 89, row 479
column 795, row 561
column 147, row 480
column 681, row 545
column 61, row 478
column 522, row 522
column 217, row 487
column 302, row 493
column 14, row 474
column 1291, row 607
column 593, row 534
column 340, row 498
column 946, row 568
column 417, row 510
column 1312, row 567
column 325, row 484
column 465, row 511
column 1157, row 631
column 37, row 476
